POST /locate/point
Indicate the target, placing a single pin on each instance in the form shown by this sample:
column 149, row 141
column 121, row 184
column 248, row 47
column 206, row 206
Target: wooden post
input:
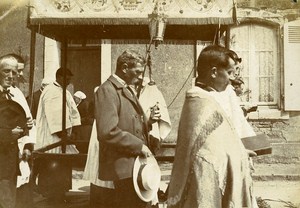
column 64, row 100
column 227, row 37
column 32, row 63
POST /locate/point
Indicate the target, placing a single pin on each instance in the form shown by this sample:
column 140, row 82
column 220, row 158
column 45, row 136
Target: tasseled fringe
column 128, row 21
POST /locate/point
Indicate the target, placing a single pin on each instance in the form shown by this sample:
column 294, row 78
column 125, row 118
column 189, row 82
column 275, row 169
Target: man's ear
column 214, row 72
column 124, row 68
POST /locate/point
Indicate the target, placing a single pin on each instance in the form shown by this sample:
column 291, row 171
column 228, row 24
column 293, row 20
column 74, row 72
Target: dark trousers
column 25, row 196
column 101, row 197
column 7, row 193
column 125, row 195
column 8, row 174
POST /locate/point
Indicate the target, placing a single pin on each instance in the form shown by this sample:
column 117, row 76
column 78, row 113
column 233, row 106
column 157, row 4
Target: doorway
column 85, row 64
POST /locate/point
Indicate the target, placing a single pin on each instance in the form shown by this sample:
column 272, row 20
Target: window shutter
column 292, row 66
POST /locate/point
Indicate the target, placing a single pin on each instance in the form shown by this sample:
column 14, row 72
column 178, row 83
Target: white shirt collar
column 120, row 80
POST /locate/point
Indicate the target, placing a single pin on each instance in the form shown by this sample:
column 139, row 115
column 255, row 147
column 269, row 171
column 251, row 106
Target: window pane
column 256, row 44
column 266, row 76
column 266, row 90
column 239, row 38
column 246, row 96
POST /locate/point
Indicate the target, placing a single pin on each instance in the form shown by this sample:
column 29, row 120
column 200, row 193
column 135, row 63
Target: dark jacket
column 121, row 130
column 9, row 151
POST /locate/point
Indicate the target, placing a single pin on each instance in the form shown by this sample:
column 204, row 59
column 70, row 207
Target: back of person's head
column 131, row 58
column 212, row 56
column 60, row 72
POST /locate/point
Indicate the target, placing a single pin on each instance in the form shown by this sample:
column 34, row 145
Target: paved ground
column 277, row 185
column 278, row 194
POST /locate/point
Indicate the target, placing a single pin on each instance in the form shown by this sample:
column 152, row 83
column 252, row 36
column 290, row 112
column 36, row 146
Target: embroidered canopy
column 129, row 12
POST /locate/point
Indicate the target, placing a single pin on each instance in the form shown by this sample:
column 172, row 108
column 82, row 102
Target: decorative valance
column 130, row 12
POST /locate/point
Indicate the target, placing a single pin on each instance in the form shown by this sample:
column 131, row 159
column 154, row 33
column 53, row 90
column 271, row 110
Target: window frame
column 253, row 62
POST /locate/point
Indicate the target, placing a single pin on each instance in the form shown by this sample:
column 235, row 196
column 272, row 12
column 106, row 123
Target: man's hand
column 154, row 114
column 146, row 151
column 17, row 132
column 68, row 131
column 26, row 155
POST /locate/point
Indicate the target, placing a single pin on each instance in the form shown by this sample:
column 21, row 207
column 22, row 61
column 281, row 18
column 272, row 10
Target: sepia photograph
column 149, row 104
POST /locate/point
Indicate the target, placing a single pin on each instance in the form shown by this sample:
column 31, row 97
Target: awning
column 129, row 12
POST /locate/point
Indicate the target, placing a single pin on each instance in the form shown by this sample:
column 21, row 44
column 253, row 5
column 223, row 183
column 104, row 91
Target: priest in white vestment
column 49, row 114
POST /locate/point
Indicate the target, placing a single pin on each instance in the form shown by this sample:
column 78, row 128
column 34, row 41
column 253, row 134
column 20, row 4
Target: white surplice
column 49, row 117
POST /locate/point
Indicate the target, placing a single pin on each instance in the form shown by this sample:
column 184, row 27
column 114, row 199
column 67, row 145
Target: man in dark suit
column 122, row 128
column 9, row 151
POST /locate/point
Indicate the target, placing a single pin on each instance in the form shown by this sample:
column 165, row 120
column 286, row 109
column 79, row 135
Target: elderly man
column 25, row 143
column 9, row 150
column 122, row 129
column 211, row 167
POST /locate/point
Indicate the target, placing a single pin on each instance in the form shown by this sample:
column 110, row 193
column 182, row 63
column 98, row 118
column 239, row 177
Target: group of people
column 211, row 166
column 42, row 127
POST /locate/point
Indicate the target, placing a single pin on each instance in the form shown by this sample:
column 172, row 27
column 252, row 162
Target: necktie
column 6, row 94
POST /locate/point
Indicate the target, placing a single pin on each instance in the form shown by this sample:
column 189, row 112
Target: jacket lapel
column 125, row 91
column 135, row 102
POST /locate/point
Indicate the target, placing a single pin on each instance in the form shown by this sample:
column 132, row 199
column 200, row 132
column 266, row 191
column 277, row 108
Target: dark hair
column 60, row 72
column 232, row 54
column 131, row 58
column 212, row 56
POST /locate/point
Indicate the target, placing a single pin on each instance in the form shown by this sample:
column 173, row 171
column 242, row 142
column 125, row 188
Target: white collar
column 120, row 80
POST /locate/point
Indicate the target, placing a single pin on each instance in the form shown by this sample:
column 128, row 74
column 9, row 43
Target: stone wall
column 284, row 138
column 271, row 4
column 15, row 38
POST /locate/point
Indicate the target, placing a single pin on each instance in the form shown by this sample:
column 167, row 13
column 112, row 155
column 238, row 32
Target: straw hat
column 146, row 177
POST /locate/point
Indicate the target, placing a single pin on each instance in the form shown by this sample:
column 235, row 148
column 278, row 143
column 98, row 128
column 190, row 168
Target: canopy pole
column 227, row 37
column 32, row 62
column 64, row 100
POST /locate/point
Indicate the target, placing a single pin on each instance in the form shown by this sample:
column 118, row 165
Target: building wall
column 15, row 38
column 284, row 134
